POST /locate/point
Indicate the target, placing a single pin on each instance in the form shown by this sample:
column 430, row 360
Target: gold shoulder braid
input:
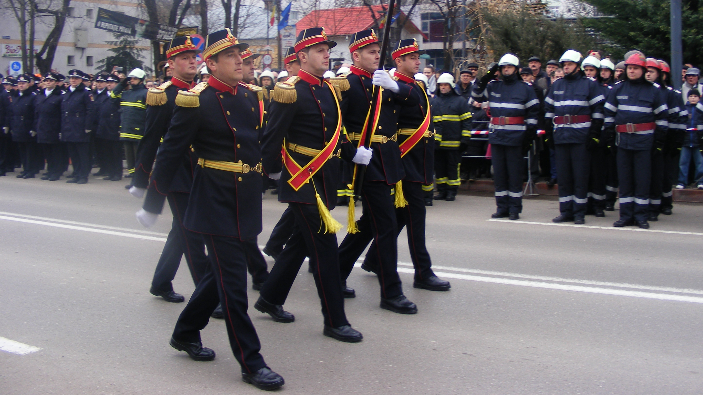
column 157, row 96
column 266, row 94
column 337, row 92
column 190, row 98
column 258, row 90
column 340, row 82
column 284, row 92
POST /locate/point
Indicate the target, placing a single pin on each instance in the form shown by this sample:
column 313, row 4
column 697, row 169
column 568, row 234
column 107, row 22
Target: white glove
column 137, row 192
column 87, row 130
column 382, row 79
column 32, row 133
column 146, row 218
column 6, row 129
column 275, row 176
column 362, row 156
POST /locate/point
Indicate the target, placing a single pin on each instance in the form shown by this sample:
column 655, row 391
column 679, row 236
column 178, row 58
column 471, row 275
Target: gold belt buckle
column 258, row 168
column 245, row 168
column 384, row 139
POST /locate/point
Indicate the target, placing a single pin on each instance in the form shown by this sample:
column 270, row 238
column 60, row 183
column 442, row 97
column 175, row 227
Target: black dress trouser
column 282, row 231
column 508, row 169
column 78, row 152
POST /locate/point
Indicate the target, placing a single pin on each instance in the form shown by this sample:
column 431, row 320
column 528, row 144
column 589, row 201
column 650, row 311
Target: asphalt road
column 534, row 308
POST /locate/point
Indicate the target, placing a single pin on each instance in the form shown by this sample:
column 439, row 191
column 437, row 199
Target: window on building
column 89, row 61
column 89, row 13
column 71, row 11
column 71, row 60
column 433, row 26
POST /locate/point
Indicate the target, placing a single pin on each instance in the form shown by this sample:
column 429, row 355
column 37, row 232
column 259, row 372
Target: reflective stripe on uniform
column 641, row 201
column 596, row 196
column 655, row 201
column 667, row 194
column 611, row 189
column 515, row 194
column 565, row 199
column 130, row 136
column 507, row 105
column 133, row 104
column 596, row 99
column 501, row 193
column 580, row 201
column 660, row 109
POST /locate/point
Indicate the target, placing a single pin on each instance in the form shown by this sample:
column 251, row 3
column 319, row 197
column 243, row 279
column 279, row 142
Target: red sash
column 301, row 175
column 374, row 119
column 411, row 141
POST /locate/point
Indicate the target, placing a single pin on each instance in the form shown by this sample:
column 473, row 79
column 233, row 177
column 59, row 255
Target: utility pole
column 676, row 51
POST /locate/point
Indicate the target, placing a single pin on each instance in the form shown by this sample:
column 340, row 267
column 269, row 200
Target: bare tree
column 45, row 56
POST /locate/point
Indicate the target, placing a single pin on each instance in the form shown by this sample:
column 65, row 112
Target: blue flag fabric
column 284, row 17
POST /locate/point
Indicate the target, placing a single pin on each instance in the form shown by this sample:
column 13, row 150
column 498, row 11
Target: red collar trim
column 221, row 86
column 309, row 78
column 404, row 77
column 360, row 71
column 180, row 83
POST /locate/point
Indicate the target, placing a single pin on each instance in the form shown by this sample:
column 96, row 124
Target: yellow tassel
column 352, row 227
column 399, row 197
column 187, row 99
column 156, row 97
column 331, row 224
column 284, row 92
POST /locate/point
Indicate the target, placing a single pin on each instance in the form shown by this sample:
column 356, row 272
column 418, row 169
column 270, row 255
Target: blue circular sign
column 16, row 66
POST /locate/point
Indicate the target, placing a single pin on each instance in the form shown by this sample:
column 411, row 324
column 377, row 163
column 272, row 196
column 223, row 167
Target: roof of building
column 349, row 20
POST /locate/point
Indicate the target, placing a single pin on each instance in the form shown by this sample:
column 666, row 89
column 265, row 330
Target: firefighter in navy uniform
column 305, row 125
column 21, row 122
column 222, row 121
column 133, row 114
column 416, row 144
column 76, row 109
column 574, row 111
column 636, row 110
column 514, row 109
column 47, row 108
column 107, row 133
column 607, row 74
column 382, row 177
column 451, row 115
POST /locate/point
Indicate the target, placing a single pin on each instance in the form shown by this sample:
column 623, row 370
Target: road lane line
column 62, row 221
column 630, row 229
column 524, row 280
column 18, row 348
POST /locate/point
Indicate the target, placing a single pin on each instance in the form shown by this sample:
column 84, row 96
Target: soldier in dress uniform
column 249, row 68
column 76, row 108
column 21, row 122
column 382, row 176
column 416, row 143
column 222, row 121
column 291, row 62
column 47, row 108
column 305, row 123
column 107, row 128
column 133, row 114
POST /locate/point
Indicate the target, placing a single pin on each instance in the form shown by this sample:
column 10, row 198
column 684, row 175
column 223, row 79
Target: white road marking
column 524, row 280
column 627, row 228
column 18, row 348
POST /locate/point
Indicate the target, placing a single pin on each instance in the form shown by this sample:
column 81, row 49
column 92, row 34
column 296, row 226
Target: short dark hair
column 694, row 92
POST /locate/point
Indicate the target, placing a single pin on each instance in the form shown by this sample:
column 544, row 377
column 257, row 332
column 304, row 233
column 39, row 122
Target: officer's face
column 227, row 67
column 634, row 72
column 605, row 73
column 248, row 69
column 569, row 67
column 408, row 64
column 317, row 59
column 100, row 85
column 651, row 74
column 22, row 85
column 590, row 71
column 507, row 70
column 368, row 57
column 75, row 81
column 111, row 85
column 184, row 65
column 293, row 68
column 445, row 88
column 50, row 84
column 135, row 81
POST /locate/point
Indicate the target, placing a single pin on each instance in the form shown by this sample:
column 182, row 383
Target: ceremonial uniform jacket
column 133, row 110
column 419, row 161
column 451, row 116
column 221, row 123
column 574, row 95
column 305, row 112
column 159, row 110
column 4, row 107
column 636, row 102
column 47, row 116
column 509, row 98
column 386, row 164
column 22, row 116
column 107, row 120
column 76, row 109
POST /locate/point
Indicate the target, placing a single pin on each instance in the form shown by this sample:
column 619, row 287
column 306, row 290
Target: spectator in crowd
column 620, row 71
column 467, row 77
column 692, row 77
column 690, row 150
column 429, row 72
column 552, row 65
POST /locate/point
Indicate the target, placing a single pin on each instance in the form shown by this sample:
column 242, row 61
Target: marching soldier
column 383, row 174
column 514, row 109
column 416, row 144
column 47, row 108
column 133, row 111
column 22, row 126
column 306, row 124
column 222, row 120
column 637, row 111
column 77, row 107
column 574, row 112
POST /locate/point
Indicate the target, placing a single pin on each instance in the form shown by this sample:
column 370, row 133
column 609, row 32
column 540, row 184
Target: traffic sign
column 267, row 60
column 15, row 68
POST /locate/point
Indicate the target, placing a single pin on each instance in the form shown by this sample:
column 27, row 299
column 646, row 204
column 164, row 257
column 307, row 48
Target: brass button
column 222, row 97
column 325, row 129
column 239, row 146
column 228, row 112
column 252, row 109
column 239, row 179
column 380, row 127
column 393, row 111
column 318, row 101
column 234, row 129
column 245, row 94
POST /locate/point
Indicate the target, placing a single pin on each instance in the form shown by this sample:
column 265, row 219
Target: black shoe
column 196, row 351
column 274, row 310
column 115, row 178
column 623, row 222
column 99, row 173
column 643, row 224
column 451, row 196
column 82, row 181
column 347, row 292
column 513, row 216
column 499, row 215
column 369, row 268
column 610, row 207
column 46, row 176
column 72, row 176
column 440, row 196
column 264, row 379
column 72, row 180
column 218, row 313
column 128, row 176
column 599, row 212
column 54, row 178
column 168, row 296
column 551, row 182
column 399, row 304
column 432, row 283
column 21, row 175
column 270, row 252
column 653, row 217
column 666, row 210
column 579, row 221
column 128, row 186
column 562, row 218
column 343, row 333
column 428, row 202
column 28, row 175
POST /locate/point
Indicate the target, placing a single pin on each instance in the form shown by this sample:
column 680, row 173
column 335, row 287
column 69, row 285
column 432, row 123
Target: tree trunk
column 32, row 24
column 235, row 18
column 52, row 40
column 227, row 8
column 203, row 17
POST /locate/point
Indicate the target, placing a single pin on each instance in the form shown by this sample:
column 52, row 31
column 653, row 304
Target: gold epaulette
column 340, row 82
column 337, row 92
column 157, row 96
column 284, row 92
column 258, row 90
column 266, row 94
column 190, row 98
